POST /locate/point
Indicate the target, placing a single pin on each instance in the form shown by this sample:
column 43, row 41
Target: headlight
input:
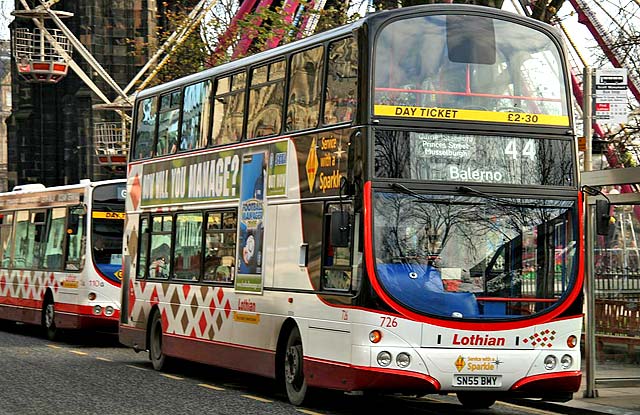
column 566, row 362
column 403, row 359
column 384, row 359
column 108, row 311
column 92, row 296
column 550, row 362
column 97, row 309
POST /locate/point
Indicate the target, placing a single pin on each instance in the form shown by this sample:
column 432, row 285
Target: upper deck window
column 228, row 110
column 342, row 81
column 168, row 124
column 145, row 128
column 482, row 69
column 196, row 112
column 266, row 100
column 305, row 81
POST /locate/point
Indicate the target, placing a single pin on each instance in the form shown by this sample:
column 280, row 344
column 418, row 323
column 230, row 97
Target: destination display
column 473, row 158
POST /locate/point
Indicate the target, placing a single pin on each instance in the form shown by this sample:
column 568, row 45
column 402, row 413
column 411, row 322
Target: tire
column 293, row 378
column 476, row 400
column 157, row 357
column 49, row 319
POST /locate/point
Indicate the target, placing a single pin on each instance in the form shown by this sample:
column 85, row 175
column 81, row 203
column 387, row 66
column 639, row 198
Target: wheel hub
column 292, row 364
column 48, row 315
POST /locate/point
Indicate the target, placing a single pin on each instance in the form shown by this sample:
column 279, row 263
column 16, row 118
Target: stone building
column 51, row 127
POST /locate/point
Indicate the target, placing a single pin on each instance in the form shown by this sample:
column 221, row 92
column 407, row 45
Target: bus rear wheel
column 157, row 357
column 295, row 383
column 476, row 400
column 48, row 319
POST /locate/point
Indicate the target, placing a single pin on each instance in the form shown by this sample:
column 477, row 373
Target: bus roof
column 375, row 17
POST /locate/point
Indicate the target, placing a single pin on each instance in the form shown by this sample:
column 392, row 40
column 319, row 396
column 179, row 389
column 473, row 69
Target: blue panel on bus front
column 111, row 271
column 420, row 287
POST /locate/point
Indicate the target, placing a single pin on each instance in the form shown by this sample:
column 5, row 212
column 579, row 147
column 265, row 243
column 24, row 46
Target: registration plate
column 490, row 381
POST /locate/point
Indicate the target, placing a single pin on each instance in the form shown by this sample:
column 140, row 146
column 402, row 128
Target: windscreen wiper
column 404, row 189
column 472, row 191
column 497, row 199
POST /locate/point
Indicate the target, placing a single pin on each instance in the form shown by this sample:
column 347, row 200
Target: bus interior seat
column 420, row 286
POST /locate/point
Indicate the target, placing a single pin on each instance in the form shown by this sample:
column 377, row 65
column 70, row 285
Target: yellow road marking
column 136, row 367
column 257, row 398
column 533, row 410
column 53, row 346
column 215, row 388
column 166, row 375
column 78, row 352
column 104, row 359
column 306, row 411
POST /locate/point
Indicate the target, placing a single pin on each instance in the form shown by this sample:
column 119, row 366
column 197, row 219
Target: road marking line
column 104, row 359
column 136, row 367
column 53, row 346
column 306, row 411
column 78, row 352
column 528, row 408
column 257, row 398
column 166, row 375
column 215, row 388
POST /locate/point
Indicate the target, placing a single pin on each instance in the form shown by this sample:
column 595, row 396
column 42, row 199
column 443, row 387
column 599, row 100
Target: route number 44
column 528, row 150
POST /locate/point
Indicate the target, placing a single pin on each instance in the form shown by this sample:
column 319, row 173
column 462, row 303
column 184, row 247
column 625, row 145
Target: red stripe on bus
column 551, row 382
column 342, row 376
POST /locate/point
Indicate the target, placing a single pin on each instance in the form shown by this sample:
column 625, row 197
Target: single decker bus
column 61, row 253
column 390, row 205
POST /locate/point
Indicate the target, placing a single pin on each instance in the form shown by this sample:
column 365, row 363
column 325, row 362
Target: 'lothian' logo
column 478, row 340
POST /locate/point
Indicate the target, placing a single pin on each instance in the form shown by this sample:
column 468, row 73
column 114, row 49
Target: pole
column 589, row 287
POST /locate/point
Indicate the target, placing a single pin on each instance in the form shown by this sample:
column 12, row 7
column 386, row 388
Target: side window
column 145, row 128
column 54, row 246
column 76, row 239
column 168, row 123
column 38, row 237
column 143, row 248
column 342, row 81
column 305, row 80
column 196, row 111
column 336, row 269
column 21, row 240
column 266, row 100
column 160, row 241
column 6, row 238
column 220, row 245
column 228, row 109
column 188, row 246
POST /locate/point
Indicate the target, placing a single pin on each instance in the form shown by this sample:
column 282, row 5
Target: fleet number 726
column 388, row 321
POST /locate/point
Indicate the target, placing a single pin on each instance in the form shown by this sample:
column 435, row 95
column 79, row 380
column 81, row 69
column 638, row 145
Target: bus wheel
column 475, row 400
column 294, row 381
column 158, row 359
column 48, row 319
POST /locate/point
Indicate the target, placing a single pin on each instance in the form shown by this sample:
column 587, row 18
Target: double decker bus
column 390, row 205
column 61, row 253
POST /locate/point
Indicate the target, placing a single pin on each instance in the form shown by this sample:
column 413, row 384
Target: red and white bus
column 389, row 205
column 61, row 252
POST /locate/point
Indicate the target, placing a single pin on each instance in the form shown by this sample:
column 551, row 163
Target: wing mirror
column 603, row 207
column 340, row 227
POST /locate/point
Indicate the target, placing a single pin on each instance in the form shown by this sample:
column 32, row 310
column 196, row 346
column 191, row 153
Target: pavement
column 617, row 392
